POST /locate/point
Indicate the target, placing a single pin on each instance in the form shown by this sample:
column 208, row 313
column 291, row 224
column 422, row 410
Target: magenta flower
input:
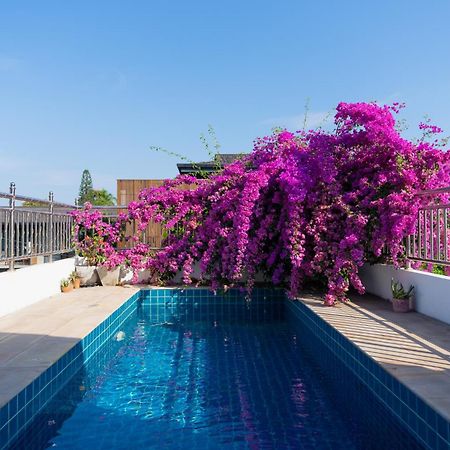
column 299, row 207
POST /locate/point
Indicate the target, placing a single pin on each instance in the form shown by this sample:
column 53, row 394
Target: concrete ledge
column 26, row 286
column 431, row 292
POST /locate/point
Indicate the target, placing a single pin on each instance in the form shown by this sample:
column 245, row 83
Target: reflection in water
column 199, row 385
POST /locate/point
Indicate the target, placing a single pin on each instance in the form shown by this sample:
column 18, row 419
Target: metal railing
column 42, row 229
column 431, row 241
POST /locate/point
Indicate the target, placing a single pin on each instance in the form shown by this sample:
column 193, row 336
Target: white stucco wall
column 431, row 292
column 25, row 286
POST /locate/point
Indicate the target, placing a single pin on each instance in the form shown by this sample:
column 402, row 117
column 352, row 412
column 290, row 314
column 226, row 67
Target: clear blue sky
column 93, row 84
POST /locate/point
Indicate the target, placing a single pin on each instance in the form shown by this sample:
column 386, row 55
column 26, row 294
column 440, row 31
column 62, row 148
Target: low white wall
column 23, row 287
column 431, row 292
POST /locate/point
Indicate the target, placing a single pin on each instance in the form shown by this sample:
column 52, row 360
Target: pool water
column 214, row 384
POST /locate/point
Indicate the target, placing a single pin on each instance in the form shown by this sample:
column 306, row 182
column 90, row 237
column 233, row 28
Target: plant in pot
column 66, row 285
column 400, row 297
column 87, row 259
column 109, row 268
column 75, row 279
column 95, row 240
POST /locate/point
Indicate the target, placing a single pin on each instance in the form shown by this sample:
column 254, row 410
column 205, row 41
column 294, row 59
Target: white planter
column 108, row 277
column 126, row 276
column 88, row 275
column 80, row 261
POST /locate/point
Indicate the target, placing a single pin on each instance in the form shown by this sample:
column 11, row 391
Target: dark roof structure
column 203, row 168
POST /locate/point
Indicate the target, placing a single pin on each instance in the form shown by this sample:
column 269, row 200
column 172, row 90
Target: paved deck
column 33, row 338
column 412, row 347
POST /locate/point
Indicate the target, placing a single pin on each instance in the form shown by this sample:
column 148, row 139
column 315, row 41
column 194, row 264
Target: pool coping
column 403, row 358
column 44, row 344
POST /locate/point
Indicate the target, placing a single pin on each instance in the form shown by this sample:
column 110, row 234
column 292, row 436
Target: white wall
column 23, row 287
column 431, row 292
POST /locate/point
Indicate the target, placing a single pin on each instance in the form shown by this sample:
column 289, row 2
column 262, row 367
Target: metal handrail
column 442, row 190
column 23, row 198
column 430, row 243
column 27, row 232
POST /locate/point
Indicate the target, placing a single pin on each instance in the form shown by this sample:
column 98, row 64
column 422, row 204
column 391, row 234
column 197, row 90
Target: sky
column 94, row 84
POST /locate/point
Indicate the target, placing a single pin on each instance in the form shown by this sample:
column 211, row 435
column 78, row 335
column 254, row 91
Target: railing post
column 50, row 240
column 12, row 207
column 408, row 251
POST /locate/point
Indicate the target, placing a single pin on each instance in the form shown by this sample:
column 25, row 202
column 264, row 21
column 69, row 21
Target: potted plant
column 66, row 285
column 75, row 279
column 95, row 241
column 87, row 242
column 109, row 271
column 400, row 297
column 86, row 261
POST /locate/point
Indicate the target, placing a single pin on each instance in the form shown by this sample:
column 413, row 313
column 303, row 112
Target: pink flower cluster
column 430, row 128
column 300, row 207
column 97, row 239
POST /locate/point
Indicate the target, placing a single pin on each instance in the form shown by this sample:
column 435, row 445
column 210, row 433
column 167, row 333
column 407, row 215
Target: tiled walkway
column 412, row 347
column 33, row 338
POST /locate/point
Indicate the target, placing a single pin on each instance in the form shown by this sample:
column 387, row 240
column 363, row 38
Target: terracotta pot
column 108, row 277
column 67, row 288
column 76, row 283
column 401, row 305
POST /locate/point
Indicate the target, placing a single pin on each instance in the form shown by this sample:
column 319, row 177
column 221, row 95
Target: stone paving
column 410, row 346
column 35, row 337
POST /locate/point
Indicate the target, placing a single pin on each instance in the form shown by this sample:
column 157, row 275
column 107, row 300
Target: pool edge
column 429, row 427
column 18, row 412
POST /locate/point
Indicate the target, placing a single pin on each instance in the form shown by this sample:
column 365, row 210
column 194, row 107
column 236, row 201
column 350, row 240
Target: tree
column 100, row 197
column 34, row 204
column 85, row 187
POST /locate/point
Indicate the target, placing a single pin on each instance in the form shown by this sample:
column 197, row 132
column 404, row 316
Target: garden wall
column 22, row 287
column 432, row 292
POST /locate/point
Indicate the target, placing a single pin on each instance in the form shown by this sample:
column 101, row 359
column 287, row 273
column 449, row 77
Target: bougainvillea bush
column 301, row 206
column 96, row 239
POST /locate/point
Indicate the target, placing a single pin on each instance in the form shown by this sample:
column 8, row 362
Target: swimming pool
column 214, row 372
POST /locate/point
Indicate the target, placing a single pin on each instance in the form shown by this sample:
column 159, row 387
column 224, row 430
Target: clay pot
column 67, row 288
column 401, row 305
column 76, row 283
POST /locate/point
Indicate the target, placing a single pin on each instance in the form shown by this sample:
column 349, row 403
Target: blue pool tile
column 3, row 415
column 21, row 399
column 12, row 426
column 21, row 416
column 442, row 444
column 12, row 405
column 420, row 418
column 4, row 436
column 432, row 438
column 422, row 430
column 442, row 427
